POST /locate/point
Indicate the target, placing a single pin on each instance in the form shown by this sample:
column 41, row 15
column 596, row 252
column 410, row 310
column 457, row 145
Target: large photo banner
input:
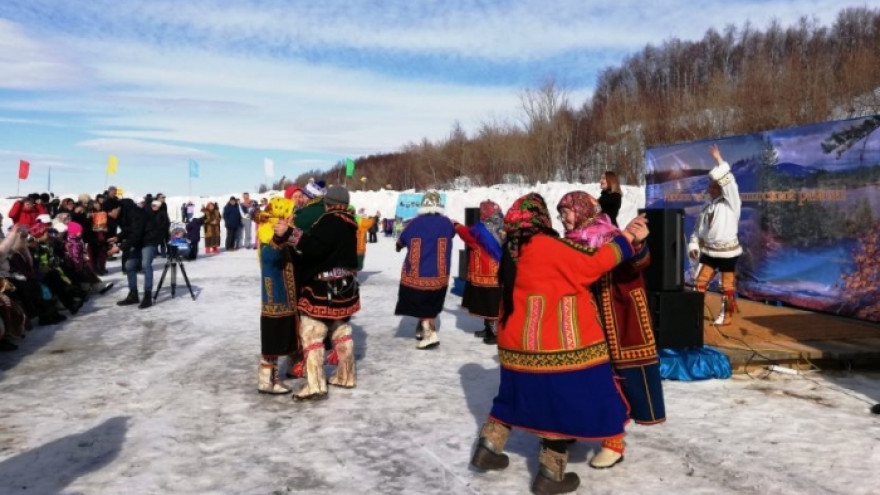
column 810, row 223
column 408, row 205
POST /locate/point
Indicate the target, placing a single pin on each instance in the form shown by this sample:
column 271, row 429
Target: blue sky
column 229, row 83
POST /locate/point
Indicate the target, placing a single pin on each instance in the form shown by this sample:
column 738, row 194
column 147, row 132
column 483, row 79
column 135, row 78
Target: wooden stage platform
column 764, row 334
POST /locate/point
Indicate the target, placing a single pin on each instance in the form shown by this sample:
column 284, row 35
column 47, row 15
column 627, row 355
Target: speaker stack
column 677, row 314
column 471, row 218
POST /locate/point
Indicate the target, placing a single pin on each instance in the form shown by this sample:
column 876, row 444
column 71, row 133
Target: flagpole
column 18, row 189
column 49, row 181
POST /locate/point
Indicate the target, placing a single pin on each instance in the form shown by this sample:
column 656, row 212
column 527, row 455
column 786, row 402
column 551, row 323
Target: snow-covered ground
column 163, row 401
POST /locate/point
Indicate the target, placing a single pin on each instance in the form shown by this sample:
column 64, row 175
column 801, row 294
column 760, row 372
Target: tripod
column 174, row 261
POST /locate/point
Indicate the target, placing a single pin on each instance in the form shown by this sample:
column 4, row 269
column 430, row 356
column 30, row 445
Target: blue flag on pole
column 193, row 168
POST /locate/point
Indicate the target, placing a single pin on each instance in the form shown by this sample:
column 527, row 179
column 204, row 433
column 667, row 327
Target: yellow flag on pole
column 112, row 162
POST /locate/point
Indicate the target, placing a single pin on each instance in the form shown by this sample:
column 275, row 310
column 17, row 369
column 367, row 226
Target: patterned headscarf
column 492, row 218
column 592, row 227
column 528, row 216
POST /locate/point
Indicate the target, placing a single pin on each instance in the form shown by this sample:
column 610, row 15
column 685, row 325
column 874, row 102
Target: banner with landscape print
column 810, row 223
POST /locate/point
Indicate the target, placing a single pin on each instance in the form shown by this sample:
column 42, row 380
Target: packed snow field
column 164, row 401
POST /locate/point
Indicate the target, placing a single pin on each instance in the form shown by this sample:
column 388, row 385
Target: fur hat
column 84, row 198
column 74, row 229
column 432, row 202
column 336, row 195
column 44, row 218
column 314, row 189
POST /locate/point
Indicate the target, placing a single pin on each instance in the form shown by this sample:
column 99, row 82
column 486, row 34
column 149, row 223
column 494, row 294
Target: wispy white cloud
column 164, row 78
column 28, row 63
column 37, row 160
column 492, row 30
column 136, row 147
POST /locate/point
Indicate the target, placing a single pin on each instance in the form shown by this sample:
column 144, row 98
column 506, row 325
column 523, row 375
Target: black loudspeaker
column 471, row 216
column 667, row 245
column 462, row 264
column 677, row 318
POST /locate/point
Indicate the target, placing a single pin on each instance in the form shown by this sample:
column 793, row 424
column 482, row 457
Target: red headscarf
column 291, row 190
column 39, row 230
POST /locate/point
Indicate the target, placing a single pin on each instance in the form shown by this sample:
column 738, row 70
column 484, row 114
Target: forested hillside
column 740, row 80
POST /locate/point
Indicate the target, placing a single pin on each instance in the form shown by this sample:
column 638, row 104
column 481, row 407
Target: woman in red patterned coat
column 623, row 309
column 556, row 375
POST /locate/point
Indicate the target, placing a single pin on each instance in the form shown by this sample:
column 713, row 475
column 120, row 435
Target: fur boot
column 343, row 346
column 489, row 454
column 551, row 477
column 312, row 334
column 430, row 339
column 268, row 379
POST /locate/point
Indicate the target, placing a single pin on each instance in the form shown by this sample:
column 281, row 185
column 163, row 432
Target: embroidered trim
column 267, row 283
column 325, row 312
column 441, row 258
column 534, row 318
column 568, row 335
column 549, row 362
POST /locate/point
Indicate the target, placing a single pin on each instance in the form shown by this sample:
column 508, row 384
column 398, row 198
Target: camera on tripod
column 178, row 248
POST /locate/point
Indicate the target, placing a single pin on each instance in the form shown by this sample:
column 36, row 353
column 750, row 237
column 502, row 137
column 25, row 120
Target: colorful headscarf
column 592, row 227
column 492, row 218
column 526, row 217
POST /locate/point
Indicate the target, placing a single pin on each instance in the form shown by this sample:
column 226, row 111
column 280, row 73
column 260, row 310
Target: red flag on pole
column 24, row 167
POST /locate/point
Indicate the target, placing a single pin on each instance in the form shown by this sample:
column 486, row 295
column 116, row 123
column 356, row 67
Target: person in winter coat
column 424, row 278
column 715, row 241
column 279, row 320
column 163, row 223
column 24, row 212
column 326, row 260
column 245, row 233
column 138, row 237
column 194, row 235
column 374, row 229
column 610, row 197
column 212, row 228
column 482, row 291
column 623, row 309
column 556, row 378
column 232, row 222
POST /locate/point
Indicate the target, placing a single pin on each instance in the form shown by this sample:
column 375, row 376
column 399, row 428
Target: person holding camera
column 137, row 240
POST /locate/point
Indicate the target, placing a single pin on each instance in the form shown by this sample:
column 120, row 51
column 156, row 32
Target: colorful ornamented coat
column 279, row 323
column 212, row 228
column 326, row 262
column 623, row 309
column 556, row 374
column 482, row 293
column 425, row 274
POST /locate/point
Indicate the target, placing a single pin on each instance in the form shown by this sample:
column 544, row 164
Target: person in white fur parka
column 715, row 241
